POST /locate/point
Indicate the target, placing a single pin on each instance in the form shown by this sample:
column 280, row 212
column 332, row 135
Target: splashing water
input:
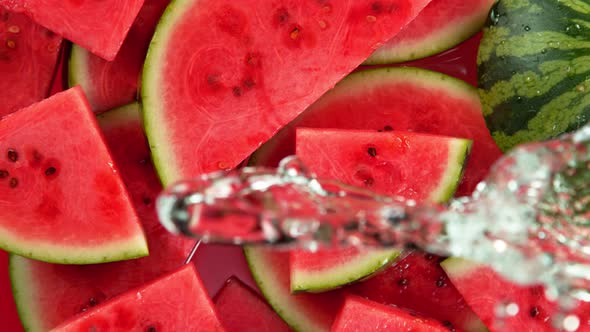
column 528, row 220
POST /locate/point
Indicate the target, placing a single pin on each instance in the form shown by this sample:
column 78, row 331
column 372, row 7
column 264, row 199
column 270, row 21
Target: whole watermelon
column 534, row 69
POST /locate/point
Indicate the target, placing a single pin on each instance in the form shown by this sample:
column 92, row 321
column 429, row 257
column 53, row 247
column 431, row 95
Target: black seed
column 12, row 155
column 369, row 182
column 534, row 312
column 249, row 83
column 372, row 152
column 50, row 171
column 147, row 201
column 92, row 302
column 253, row 59
column 403, row 282
column 151, row 328
column 13, row 182
column 441, row 282
column 212, row 79
column 376, row 7
column 449, row 326
column 282, row 16
column 4, row 174
column 388, row 128
column 237, row 91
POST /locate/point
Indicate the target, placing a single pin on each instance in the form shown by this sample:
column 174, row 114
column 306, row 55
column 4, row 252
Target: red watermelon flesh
column 221, row 78
column 419, row 284
column 440, row 26
column 175, row 302
column 361, row 315
column 405, row 99
column 485, row 291
column 99, row 26
column 109, row 84
column 303, row 312
column 28, row 59
column 48, row 294
column 61, row 197
column 241, row 309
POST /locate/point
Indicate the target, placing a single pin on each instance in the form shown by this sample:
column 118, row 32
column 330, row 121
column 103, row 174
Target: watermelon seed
column 282, row 16
column 371, row 18
column 253, row 59
column 249, row 83
column 388, row 128
column 12, row 155
column 151, row 328
column 440, row 282
column 449, row 325
column 237, row 91
column 403, row 282
column 13, row 183
column 534, row 312
column 322, row 24
column 3, row 174
column 143, row 161
column 372, row 152
column 146, row 200
column 13, row 29
column 369, row 182
column 295, row 33
column 50, row 171
column 376, row 7
column 10, row 44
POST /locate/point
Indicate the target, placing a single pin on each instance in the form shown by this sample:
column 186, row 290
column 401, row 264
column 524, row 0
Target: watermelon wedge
column 62, row 200
column 442, row 25
column 405, row 99
column 415, row 166
column 110, row 84
column 48, row 294
column 187, row 308
column 419, row 284
column 99, row 26
column 240, row 309
column 359, row 314
column 303, row 312
column 485, row 291
column 221, row 79
column 28, row 59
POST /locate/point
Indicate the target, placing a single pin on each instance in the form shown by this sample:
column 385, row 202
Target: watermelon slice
column 419, row 284
column 28, row 59
column 485, row 291
column 48, row 294
column 62, row 200
column 175, row 302
column 359, row 314
column 414, row 166
column 99, row 26
column 242, row 310
column 220, row 78
column 405, row 99
column 442, row 25
column 303, row 312
column 109, row 84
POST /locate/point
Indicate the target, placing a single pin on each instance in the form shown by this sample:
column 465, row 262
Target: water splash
column 528, row 220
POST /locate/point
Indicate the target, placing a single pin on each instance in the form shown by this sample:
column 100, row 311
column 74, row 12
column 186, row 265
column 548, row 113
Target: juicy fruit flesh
column 242, row 310
column 61, row 199
column 440, row 26
column 28, row 59
column 217, row 85
column 359, row 314
column 99, row 26
column 408, row 99
column 188, row 308
column 48, row 294
column 109, row 84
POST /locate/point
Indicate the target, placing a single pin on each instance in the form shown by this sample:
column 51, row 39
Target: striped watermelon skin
column 534, row 69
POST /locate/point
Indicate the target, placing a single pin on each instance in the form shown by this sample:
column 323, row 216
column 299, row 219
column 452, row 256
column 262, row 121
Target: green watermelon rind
column 78, row 69
column 261, row 272
column 118, row 115
column 459, row 150
column 20, row 284
column 149, row 87
column 130, row 248
column 360, row 267
column 438, row 41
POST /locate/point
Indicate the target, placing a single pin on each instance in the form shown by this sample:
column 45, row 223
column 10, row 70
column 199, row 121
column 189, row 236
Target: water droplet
column 571, row 323
column 527, row 28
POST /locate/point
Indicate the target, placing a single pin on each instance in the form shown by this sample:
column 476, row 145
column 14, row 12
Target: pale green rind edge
column 355, row 270
column 437, row 42
column 459, row 150
column 150, row 83
column 123, row 114
column 23, row 288
column 78, row 69
column 261, row 272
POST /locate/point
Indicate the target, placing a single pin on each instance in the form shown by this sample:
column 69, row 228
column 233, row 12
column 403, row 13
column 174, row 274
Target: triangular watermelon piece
column 110, row 84
column 359, row 314
column 28, row 58
column 48, row 294
column 175, row 302
column 61, row 197
column 242, row 310
column 221, row 78
column 99, row 26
